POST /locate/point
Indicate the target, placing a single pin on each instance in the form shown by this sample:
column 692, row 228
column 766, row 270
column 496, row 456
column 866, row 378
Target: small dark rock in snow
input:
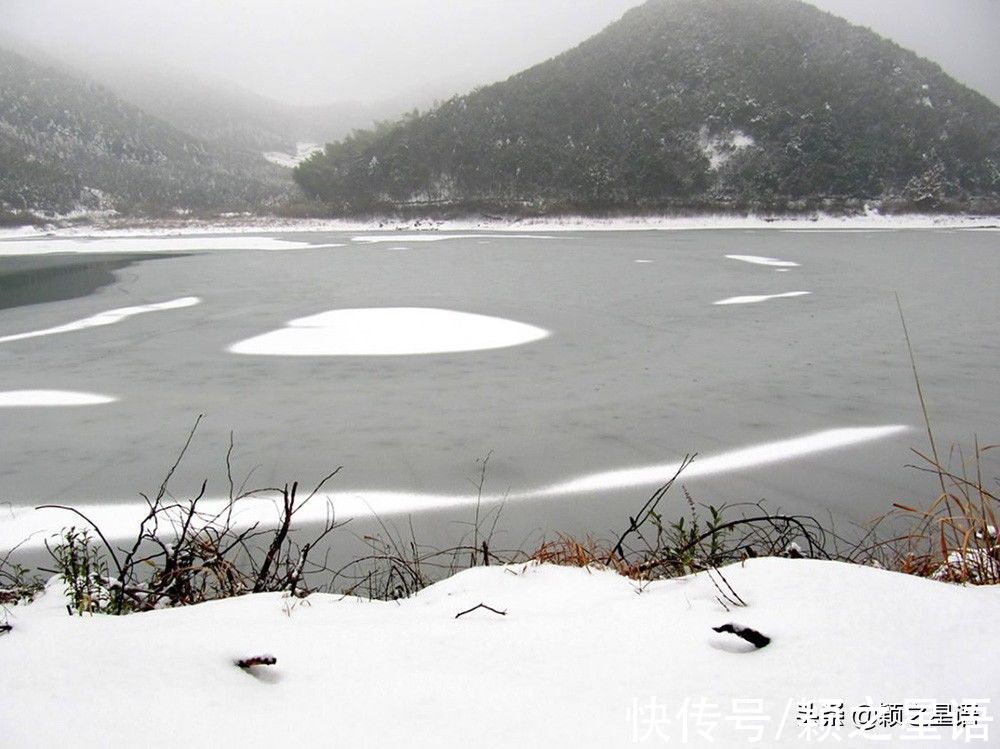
column 752, row 636
column 257, row 660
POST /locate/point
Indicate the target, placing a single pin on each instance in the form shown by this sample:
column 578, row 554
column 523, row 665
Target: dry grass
column 957, row 537
column 587, row 552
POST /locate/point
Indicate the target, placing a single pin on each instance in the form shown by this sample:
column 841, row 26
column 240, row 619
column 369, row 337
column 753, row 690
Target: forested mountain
column 689, row 103
column 69, row 144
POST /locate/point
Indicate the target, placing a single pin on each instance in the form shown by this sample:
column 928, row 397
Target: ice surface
column 761, row 297
column 105, row 318
column 37, row 398
column 119, row 520
column 389, row 331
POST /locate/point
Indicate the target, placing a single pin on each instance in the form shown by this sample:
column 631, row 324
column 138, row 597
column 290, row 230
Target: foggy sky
column 315, row 51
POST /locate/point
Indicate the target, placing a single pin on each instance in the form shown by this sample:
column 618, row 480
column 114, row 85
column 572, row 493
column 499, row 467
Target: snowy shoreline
column 246, row 224
column 556, row 656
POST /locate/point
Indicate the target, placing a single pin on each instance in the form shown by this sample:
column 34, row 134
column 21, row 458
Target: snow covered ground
column 577, row 658
column 247, row 224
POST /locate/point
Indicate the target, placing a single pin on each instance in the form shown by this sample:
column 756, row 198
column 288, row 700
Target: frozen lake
column 585, row 364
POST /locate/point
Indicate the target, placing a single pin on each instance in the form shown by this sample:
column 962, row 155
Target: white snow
column 140, row 244
column 119, row 520
column 291, row 160
column 760, row 298
column 643, row 262
column 389, row 331
column 759, row 260
column 746, row 458
column 245, row 224
column 105, row 318
column 436, row 237
column 36, row 398
column 581, row 658
column 721, row 148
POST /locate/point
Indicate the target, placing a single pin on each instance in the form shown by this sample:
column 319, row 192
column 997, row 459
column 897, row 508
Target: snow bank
column 105, row 318
column 119, row 520
column 434, row 237
column 578, row 659
column 36, row 398
column 754, row 299
column 152, row 244
column 246, row 224
column 389, row 331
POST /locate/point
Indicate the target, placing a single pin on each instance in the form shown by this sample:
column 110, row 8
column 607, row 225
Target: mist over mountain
column 231, row 116
column 69, row 144
column 689, row 104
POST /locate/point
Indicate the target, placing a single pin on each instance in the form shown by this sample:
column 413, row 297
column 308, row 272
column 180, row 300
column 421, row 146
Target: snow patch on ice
column 389, row 331
column 120, row 519
column 746, row 458
column 760, row 298
column 138, row 244
column 760, row 260
column 40, row 398
column 105, row 318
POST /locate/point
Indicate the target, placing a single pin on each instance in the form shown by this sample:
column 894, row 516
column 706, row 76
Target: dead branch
column 480, row 606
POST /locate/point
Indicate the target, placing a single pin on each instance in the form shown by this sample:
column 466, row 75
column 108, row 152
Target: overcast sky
column 319, row 51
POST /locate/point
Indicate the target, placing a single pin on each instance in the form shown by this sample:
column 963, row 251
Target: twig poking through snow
column 480, row 606
column 752, row 636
